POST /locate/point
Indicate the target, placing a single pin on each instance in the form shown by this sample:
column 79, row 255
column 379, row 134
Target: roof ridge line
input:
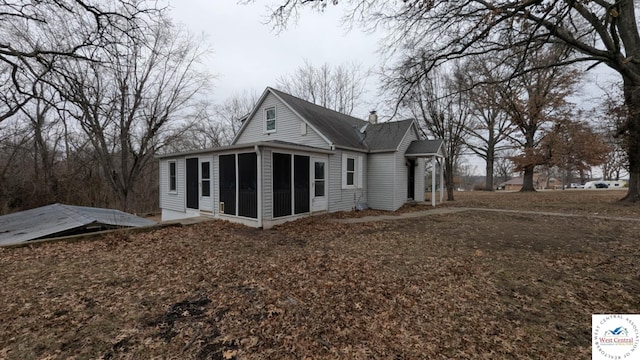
column 316, row 105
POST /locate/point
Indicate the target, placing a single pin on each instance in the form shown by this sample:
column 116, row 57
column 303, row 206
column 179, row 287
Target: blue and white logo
column 615, row 336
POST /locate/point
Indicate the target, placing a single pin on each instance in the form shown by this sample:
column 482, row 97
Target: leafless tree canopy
column 36, row 35
column 425, row 34
column 443, row 112
column 490, row 127
column 215, row 125
column 339, row 88
column 126, row 106
column 534, row 101
column 120, row 85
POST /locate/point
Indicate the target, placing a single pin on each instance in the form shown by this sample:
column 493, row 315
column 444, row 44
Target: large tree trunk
column 488, row 180
column 448, row 179
column 527, row 180
column 632, row 139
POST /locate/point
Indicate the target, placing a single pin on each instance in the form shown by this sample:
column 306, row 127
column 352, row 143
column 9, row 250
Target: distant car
column 601, row 186
column 576, row 186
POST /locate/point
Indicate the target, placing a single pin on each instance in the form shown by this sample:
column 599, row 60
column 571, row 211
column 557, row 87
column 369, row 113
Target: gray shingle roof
column 340, row 129
column 424, row 147
column 386, row 136
column 59, row 219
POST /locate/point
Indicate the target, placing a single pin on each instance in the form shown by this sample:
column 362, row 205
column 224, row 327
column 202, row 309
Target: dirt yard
column 469, row 285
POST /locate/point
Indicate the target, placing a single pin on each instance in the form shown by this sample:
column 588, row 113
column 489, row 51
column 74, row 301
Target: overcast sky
column 248, row 55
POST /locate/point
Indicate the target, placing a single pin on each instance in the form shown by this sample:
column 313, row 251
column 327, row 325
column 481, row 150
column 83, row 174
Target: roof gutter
column 350, row 148
column 424, row 155
column 247, row 146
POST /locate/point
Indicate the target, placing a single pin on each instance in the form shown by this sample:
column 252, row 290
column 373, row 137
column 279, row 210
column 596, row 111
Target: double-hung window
column 351, row 171
column 352, row 168
column 270, row 119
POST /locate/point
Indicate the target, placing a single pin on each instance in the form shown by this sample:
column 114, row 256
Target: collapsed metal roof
column 60, row 220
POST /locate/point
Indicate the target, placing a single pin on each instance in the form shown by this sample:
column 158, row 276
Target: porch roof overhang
column 425, row 149
column 266, row 144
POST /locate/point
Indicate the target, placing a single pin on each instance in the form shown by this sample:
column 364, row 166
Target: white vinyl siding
column 381, row 176
column 346, row 199
column 402, row 171
column 288, row 126
column 172, row 200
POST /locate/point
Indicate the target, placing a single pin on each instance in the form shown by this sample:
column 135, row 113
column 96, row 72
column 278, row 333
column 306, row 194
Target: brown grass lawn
column 468, row 285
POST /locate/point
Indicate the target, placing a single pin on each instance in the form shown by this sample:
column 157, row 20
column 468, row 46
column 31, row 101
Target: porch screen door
column 319, row 192
column 192, row 183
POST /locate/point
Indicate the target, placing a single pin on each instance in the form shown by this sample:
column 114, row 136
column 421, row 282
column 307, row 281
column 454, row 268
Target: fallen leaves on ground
column 467, row 286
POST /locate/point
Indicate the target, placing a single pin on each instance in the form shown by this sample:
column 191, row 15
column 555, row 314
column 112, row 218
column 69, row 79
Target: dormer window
column 270, row 120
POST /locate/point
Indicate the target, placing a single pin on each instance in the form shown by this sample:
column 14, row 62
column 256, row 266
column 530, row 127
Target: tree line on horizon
column 91, row 92
column 533, row 39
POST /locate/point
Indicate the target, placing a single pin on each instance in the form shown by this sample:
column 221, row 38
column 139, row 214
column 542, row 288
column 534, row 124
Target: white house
column 292, row 158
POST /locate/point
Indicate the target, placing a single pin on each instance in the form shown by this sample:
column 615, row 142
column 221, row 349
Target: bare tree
column 490, row 126
column 213, row 125
column 232, row 112
column 47, row 137
column 444, row 113
column 504, row 166
column 339, row 88
column 534, row 101
column 15, row 138
column 434, row 32
column 36, row 35
column 615, row 162
column 129, row 106
column 613, row 115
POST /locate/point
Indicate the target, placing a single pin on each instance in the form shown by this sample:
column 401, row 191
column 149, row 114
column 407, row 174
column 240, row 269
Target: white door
column 319, row 185
column 206, row 185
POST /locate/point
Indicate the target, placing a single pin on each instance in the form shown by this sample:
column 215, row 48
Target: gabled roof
column 339, row 130
column 59, row 220
column 342, row 130
column 425, row 147
column 386, row 136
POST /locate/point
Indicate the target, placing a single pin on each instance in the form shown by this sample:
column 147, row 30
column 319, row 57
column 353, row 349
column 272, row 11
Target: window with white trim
column 173, row 186
column 352, row 171
column 270, row 119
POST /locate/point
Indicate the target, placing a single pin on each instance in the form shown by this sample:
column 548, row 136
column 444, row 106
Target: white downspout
column 259, row 183
column 441, row 180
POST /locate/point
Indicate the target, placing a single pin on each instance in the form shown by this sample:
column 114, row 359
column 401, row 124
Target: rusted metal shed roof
column 60, row 220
